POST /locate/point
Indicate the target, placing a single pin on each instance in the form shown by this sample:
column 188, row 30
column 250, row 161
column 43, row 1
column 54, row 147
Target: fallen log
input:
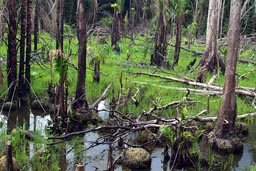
column 199, row 53
column 195, row 53
column 192, row 83
column 247, row 61
column 196, row 91
column 214, row 118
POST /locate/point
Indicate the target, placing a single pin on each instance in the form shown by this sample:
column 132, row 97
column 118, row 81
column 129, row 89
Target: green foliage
column 105, row 21
column 114, row 5
column 168, row 133
column 119, row 5
column 177, row 7
column 61, row 65
column 252, row 168
column 161, row 5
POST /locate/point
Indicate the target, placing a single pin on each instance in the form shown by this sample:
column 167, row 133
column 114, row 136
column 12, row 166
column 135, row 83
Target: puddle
column 96, row 158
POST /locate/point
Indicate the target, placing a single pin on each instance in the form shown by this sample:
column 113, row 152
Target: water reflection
column 96, row 158
column 18, row 118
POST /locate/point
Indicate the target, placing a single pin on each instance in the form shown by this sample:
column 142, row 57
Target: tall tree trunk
column 159, row 55
column 244, row 7
column 1, row 23
column 80, row 98
column 12, row 52
column 211, row 60
column 228, row 109
column 60, row 25
column 219, row 5
column 28, row 45
column 96, row 71
column 179, row 19
column 222, row 18
column 1, row 73
column 22, row 47
column 116, row 29
column 195, row 15
column 36, row 24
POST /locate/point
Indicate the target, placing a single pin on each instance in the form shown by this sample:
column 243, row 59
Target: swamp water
column 95, row 159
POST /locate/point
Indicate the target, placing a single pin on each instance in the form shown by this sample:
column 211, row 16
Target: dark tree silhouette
column 158, row 58
column 28, row 45
column 23, row 20
column 116, row 29
column 12, row 52
column 36, row 23
column 60, row 25
column 80, row 98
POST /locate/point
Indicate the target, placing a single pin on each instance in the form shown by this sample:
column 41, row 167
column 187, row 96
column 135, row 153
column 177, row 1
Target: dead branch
column 198, row 53
column 195, row 53
column 203, row 85
column 197, row 91
column 172, row 104
column 102, row 97
column 247, row 61
column 214, row 118
column 142, row 125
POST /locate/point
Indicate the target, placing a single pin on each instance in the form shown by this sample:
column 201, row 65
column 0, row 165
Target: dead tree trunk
column 9, row 161
column 1, row 24
column 211, row 60
column 80, row 98
column 12, row 52
column 1, row 73
column 96, row 71
column 23, row 20
column 179, row 19
column 158, row 58
column 116, row 30
column 60, row 31
column 28, row 46
column 36, row 24
column 228, row 109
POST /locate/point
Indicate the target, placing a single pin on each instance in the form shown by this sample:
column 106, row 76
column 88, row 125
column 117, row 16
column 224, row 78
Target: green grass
column 134, row 57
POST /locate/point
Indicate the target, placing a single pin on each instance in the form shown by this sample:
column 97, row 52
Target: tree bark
column 116, row 30
column 1, row 24
column 222, row 18
column 179, row 19
column 60, row 25
column 96, row 71
column 9, row 161
column 228, row 109
column 28, row 45
column 36, row 23
column 1, row 73
column 80, row 98
column 12, row 52
column 158, row 57
column 22, row 48
column 211, row 60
